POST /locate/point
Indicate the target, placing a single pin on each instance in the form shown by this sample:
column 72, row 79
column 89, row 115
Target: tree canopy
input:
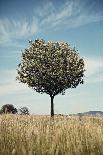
column 51, row 67
column 8, row 108
column 24, row 111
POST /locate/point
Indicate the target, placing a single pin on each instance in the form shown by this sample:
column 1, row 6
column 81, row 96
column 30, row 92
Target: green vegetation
column 42, row 135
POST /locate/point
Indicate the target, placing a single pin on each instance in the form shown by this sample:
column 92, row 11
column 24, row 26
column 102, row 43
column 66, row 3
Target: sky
column 78, row 22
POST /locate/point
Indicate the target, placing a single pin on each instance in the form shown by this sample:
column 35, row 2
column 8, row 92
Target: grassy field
column 41, row 135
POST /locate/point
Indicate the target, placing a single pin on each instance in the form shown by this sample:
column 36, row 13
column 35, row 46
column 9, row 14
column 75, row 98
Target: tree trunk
column 52, row 106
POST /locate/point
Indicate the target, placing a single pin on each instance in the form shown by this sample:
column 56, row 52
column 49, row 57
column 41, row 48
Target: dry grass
column 41, row 135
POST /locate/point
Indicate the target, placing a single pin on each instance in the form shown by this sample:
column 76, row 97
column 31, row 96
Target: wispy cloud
column 55, row 15
column 94, row 70
column 12, row 88
column 69, row 14
column 16, row 29
column 93, row 65
column 8, row 84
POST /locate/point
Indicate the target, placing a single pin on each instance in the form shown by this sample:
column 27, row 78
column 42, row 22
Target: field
column 41, row 135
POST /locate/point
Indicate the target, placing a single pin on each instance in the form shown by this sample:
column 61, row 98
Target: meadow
column 42, row 135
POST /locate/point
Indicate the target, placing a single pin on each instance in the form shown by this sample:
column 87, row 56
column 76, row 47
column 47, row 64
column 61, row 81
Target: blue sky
column 77, row 22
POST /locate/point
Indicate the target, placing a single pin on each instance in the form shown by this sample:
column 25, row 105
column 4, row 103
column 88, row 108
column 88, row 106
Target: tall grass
column 41, row 135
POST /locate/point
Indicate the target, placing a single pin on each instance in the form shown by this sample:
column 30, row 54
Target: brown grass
column 41, row 135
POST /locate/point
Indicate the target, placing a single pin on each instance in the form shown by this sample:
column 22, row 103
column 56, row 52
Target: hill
column 89, row 113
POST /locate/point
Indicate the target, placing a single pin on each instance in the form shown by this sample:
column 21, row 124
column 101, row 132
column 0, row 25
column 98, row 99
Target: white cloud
column 69, row 14
column 93, row 65
column 12, row 88
column 16, row 29
column 94, row 70
column 54, row 16
column 8, row 84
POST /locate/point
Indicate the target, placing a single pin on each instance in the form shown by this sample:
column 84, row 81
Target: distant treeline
column 10, row 109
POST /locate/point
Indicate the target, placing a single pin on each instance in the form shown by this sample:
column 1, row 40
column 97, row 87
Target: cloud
column 94, row 70
column 55, row 16
column 12, row 88
column 93, row 65
column 8, row 83
column 69, row 14
column 10, row 30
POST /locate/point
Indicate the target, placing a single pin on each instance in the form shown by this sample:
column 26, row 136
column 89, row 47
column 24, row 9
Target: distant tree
column 0, row 111
column 24, row 111
column 8, row 108
column 51, row 68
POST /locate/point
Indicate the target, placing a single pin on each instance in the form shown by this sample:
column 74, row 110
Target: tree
column 51, row 68
column 24, row 111
column 8, row 108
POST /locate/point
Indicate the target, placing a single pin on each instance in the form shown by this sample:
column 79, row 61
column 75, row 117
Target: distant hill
column 89, row 113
